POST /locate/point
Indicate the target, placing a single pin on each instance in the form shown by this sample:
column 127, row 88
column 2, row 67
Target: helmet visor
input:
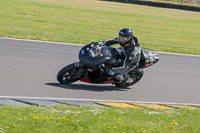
column 124, row 39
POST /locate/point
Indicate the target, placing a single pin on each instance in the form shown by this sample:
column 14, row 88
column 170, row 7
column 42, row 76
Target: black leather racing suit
column 132, row 54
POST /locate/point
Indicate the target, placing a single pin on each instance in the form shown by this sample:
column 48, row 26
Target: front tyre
column 135, row 76
column 68, row 74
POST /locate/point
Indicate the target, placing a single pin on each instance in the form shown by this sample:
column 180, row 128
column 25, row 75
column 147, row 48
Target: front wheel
column 68, row 74
column 135, row 76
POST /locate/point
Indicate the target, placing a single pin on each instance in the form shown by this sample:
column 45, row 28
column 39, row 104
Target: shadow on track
column 87, row 87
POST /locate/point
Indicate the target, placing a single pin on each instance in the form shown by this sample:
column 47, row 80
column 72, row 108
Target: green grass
column 65, row 119
column 84, row 21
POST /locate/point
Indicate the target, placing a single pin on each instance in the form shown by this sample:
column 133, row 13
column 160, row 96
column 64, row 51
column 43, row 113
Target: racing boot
column 120, row 77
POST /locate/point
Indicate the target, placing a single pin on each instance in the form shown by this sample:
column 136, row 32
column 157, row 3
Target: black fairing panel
column 117, row 57
column 91, row 62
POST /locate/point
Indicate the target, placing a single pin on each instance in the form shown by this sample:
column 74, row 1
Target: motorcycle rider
column 131, row 48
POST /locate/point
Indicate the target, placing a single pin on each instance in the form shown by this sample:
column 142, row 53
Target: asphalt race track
column 29, row 69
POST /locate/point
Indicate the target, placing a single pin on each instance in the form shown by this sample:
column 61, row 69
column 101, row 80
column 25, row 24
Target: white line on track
column 83, row 45
column 13, row 47
column 94, row 100
column 41, row 41
column 178, row 54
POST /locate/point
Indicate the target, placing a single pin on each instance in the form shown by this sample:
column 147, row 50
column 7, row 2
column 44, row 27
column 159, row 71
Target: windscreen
column 100, row 51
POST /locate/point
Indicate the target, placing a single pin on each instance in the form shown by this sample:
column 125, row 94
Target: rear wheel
column 135, row 76
column 68, row 74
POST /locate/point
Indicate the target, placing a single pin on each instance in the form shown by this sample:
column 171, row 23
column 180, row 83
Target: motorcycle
column 93, row 59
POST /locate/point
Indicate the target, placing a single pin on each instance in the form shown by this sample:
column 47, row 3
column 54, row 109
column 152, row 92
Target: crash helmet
column 125, row 36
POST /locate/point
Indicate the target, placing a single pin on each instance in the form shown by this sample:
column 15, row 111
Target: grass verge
column 84, row 21
column 97, row 120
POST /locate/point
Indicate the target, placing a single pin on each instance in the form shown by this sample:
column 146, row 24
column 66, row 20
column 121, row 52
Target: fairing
column 148, row 58
column 92, row 56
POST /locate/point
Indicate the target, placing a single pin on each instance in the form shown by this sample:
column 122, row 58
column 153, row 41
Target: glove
column 101, row 43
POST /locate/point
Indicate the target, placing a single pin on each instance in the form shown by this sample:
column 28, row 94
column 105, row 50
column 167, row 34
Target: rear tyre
column 135, row 76
column 68, row 74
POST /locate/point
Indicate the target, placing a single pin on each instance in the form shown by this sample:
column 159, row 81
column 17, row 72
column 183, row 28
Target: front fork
column 80, row 71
